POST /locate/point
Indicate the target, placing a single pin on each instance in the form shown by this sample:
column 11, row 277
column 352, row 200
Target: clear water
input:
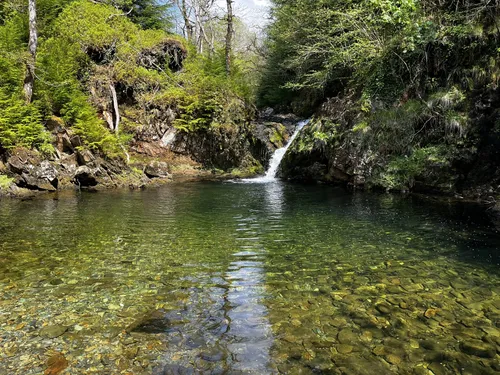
column 223, row 278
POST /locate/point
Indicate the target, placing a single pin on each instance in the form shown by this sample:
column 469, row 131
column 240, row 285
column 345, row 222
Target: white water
column 278, row 155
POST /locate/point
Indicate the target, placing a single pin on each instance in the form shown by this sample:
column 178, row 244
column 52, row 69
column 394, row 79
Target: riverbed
column 240, row 278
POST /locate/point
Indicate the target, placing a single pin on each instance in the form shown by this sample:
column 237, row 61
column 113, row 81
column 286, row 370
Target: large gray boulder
column 157, row 169
column 85, row 176
column 32, row 173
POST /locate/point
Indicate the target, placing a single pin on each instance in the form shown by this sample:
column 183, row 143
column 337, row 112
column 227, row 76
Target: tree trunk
column 29, row 79
column 188, row 26
column 115, row 107
column 229, row 35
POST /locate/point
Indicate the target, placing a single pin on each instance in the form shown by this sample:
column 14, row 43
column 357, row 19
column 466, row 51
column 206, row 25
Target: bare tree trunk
column 115, row 107
column 188, row 26
column 229, row 35
column 29, row 79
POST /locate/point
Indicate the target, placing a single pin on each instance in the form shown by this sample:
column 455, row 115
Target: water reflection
column 250, row 336
column 225, row 323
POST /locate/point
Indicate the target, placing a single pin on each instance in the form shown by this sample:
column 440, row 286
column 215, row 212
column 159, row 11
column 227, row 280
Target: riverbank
column 214, row 153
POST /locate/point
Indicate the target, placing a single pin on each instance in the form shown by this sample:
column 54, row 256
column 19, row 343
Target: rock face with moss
column 397, row 149
column 404, row 93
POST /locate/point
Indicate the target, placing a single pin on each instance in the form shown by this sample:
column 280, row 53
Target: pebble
column 344, row 348
column 393, row 359
column 347, row 336
column 383, row 308
column 430, row 313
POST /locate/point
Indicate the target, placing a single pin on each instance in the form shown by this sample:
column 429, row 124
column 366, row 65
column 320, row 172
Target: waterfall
column 277, row 157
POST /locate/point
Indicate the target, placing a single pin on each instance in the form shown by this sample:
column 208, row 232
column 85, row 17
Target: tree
column 29, row 80
column 151, row 14
column 229, row 35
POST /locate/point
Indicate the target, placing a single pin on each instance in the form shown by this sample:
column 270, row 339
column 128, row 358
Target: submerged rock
column 51, row 332
column 347, row 336
column 478, row 348
column 158, row 321
column 56, row 364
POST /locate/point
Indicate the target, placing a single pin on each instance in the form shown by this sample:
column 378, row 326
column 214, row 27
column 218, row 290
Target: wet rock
column 158, row 321
column 478, row 348
column 56, row 364
column 345, row 349
column 84, row 176
column 157, row 169
column 383, row 308
column 53, row 331
column 347, row 336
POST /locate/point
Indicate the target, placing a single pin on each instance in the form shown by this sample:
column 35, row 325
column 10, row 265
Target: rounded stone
column 347, row 336
column 383, row 308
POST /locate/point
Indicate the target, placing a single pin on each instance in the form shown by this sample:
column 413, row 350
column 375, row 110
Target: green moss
column 5, row 182
column 277, row 136
column 402, row 171
column 247, row 172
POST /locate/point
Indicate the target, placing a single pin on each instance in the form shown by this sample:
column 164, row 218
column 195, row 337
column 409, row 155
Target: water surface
column 247, row 278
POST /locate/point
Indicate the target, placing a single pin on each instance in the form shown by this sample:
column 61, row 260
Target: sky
column 253, row 12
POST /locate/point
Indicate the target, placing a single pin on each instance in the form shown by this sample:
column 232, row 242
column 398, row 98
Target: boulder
column 85, row 176
column 84, row 157
column 157, row 169
column 68, row 164
column 31, row 173
column 17, row 165
column 34, row 183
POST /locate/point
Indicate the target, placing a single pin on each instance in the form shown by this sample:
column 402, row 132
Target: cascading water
column 278, row 155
